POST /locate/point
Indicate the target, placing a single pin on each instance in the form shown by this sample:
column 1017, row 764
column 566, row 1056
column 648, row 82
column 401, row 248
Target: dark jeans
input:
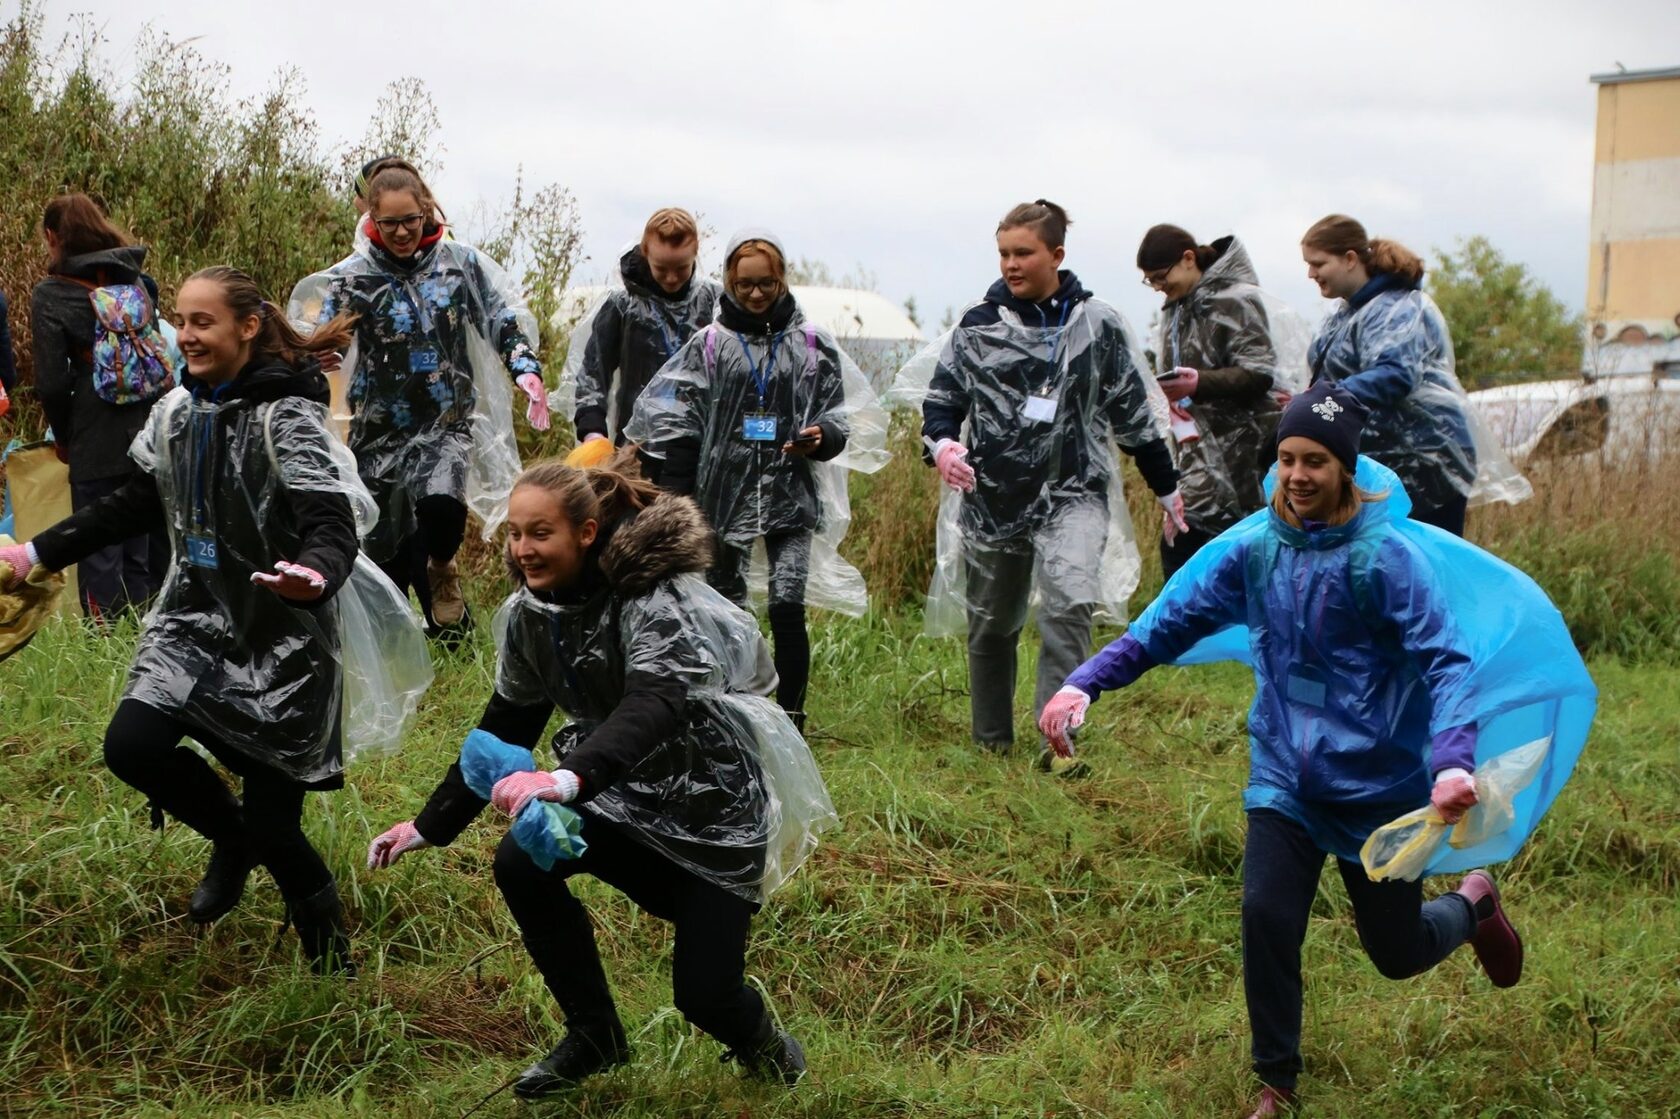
column 708, row 966
column 122, row 576
column 1401, row 933
column 1178, row 553
column 442, row 526
column 790, row 568
column 143, row 748
column 1449, row 516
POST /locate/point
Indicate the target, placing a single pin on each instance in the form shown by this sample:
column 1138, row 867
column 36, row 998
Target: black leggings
column 442, row 526
column 708, row 966
column 142, row 747
column 1401, row 933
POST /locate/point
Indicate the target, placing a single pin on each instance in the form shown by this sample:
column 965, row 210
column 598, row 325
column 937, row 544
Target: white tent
column 871, row 328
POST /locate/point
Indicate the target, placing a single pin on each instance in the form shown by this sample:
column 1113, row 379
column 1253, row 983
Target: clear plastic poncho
column 301, row 690
column 1052, row 485
column 751, row 489
column 1395, row 354
column 626, row 338
column 1407, row 632
column 736, row 798
column 1226, row 321
column 439, row 339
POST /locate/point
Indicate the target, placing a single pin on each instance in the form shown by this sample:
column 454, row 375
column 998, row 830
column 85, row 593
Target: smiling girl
column 439, row 332
column 757, row 416
column 241, row 652
column 697, row 794
column 1390, row 659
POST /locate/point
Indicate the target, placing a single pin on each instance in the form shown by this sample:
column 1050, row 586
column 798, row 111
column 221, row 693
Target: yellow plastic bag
column 1402, row 849
column 591, row 453
column 40, row 486
column 24, row 609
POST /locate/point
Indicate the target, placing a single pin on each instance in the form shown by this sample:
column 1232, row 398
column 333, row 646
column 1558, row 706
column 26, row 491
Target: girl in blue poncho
column 1387, row 656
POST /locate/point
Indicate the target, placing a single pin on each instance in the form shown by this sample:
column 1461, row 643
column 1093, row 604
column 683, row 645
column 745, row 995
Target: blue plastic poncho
column 544, row 830
column 1366, row 640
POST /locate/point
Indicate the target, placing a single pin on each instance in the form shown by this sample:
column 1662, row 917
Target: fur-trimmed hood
column 669, row 537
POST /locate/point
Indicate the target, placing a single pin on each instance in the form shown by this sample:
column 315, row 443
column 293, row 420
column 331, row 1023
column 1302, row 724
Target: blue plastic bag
column 1526, row 681
column 544, row 830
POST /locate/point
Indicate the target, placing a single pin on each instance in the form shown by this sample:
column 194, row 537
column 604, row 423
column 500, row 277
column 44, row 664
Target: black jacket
column 627, row 339
column 97, row 434
column 944, row 421
column 644, row 663
column 249, row 469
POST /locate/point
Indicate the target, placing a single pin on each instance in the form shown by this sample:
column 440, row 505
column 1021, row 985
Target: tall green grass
column 976, row 940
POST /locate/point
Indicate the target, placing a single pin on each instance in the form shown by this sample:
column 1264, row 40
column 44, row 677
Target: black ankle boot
column 319, row 920
column 581, row 1053
column 223, row 883
column 774, row 1055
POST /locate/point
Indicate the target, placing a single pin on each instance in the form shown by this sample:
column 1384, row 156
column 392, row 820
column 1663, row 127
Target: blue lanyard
column 206, row 432
column 761, row 379
column 1174, row 333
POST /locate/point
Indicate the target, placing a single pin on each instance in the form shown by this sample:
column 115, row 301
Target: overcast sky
column 893, row 135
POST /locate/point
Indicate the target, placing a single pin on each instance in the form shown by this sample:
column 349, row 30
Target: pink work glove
column 1172, row 516
column 949, row 456
column 1180, row 383
column 1454, row 794
column 395, row 843
column 1065, row 712
column 295, row 582
column 537, row 410
column 512, row 793
column 17, row 560
column 592, row 436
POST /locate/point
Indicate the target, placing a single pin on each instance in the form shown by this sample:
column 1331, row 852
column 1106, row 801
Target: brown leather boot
column 449, row 606
column 1273, row 1102
column 1495, row 940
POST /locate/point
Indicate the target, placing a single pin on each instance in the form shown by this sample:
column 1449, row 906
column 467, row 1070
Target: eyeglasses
column 412, row 223
column 1156, row 278
column 768, row 286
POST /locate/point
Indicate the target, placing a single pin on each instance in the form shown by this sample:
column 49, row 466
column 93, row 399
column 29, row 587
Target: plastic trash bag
column 270, row 679
column 1407, row 848
column 428, row 378
column 627, row 337
column 544, row 830
column 38, row 497
column 735, row 797
column 1024, row 496
column 1518, row 677
column 751, row 489
column 25, row 608
column 1431, row 437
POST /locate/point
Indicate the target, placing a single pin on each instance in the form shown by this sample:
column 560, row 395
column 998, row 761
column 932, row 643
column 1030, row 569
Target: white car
column 1621, row 418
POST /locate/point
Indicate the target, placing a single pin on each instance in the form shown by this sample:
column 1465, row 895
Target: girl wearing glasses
column 440, row 330
column 757, row 416
column 1223, row 355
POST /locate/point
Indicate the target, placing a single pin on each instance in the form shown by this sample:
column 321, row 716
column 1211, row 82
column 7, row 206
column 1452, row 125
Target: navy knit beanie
column 1327, row 414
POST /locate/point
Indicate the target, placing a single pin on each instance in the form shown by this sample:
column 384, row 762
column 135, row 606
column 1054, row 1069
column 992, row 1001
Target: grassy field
column 977, row 939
